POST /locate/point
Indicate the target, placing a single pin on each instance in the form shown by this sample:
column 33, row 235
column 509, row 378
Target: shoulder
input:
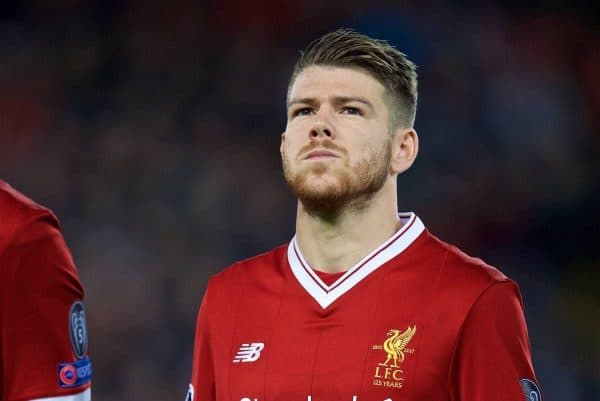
column 263, row 267
column 261, row 274
column 17, row 212
column 461, row 277
column 463, row 267
column 248, row 280
column 32, row 245
column 463, row 286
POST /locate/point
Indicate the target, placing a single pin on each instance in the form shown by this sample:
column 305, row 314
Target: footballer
column 363, row 303
column 43, row 333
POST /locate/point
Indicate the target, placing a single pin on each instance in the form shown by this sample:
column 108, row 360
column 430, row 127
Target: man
column 43, row 335
column 363, row 304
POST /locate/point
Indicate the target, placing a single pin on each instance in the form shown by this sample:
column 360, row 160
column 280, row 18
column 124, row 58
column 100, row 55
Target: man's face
column 336, row 148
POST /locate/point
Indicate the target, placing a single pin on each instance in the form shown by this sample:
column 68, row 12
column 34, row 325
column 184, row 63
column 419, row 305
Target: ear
column 282, row 142
column 405, row 147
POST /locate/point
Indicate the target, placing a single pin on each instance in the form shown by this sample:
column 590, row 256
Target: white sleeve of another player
column 83, row 396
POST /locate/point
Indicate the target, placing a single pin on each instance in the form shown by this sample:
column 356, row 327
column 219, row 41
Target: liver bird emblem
column 395, row 345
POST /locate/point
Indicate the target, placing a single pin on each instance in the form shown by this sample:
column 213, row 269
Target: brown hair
column 392, row 68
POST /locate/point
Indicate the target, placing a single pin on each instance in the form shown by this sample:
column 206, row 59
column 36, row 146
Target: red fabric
column 38, row 285
column 469, row 340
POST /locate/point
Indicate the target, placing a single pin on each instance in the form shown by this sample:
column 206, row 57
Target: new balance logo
column 249, row 352
column 190, row 394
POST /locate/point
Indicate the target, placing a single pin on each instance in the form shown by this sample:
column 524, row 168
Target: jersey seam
column 272, row 335
column 210, row 344
column 312, row 378
column 464, row 323
column 235, row 330
column 426, row 319
column 362, row 382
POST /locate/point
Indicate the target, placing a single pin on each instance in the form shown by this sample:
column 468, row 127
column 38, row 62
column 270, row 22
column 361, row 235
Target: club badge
column 390, row 372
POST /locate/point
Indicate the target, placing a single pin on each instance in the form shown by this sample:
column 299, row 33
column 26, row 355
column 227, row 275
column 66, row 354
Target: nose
column 320, row 129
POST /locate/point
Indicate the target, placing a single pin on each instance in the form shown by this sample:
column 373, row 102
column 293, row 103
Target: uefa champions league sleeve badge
column 78, row 373
column 531, row 390
column 78, row 329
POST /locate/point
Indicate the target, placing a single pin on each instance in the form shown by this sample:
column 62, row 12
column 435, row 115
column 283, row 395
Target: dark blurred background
column 152, row 128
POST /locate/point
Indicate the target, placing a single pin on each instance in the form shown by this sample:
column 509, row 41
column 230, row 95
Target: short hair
column 392, row 68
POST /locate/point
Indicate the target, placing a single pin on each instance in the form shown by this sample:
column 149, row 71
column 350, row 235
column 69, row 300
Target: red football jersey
column 414, row 320
column 43, row 336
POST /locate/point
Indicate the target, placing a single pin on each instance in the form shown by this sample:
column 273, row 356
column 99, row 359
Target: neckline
column 325, row 294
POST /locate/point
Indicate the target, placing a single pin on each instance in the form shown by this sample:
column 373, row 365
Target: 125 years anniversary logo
column 389, row 373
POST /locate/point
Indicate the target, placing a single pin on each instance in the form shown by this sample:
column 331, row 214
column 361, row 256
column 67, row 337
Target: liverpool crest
column 389, row 373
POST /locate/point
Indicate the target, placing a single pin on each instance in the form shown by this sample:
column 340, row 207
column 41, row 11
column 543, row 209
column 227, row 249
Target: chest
column 380, row 341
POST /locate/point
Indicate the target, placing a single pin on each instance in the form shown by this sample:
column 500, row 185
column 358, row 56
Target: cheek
column 287, row 149
column 363, row 147
column 297, row 126
column 366, row 150
column 293, row 142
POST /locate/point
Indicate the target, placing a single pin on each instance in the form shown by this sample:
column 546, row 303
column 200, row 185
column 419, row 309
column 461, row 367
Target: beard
column 353, row 185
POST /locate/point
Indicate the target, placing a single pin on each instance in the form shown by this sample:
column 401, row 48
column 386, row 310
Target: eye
column 352, row 110
column 302, row 111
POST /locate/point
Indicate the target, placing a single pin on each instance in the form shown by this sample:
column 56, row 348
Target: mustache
column 324, row 144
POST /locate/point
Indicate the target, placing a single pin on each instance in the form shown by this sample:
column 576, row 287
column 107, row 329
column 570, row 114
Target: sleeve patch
column 74, row 374
column 531, row 390
column 78, row 329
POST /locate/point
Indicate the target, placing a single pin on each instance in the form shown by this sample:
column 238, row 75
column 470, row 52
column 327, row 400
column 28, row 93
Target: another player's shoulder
column 17, row 211
column 459, row 267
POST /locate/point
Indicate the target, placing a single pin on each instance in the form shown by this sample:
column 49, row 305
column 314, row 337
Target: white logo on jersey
column 249, row 352
column 308, row 397
column 190, row 394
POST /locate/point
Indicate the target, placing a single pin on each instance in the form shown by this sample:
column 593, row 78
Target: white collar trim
column 325, row 294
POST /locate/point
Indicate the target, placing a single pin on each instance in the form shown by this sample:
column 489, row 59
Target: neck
column 335, row 243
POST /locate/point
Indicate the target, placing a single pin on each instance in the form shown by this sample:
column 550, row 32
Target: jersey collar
column 325, row 294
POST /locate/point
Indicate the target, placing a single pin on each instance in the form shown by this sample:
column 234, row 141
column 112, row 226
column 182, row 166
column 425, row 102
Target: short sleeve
column 492, row 360
column 42, row 319
column 202, row 387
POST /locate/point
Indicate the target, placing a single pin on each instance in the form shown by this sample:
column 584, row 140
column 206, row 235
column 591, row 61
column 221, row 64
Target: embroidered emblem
column 67, row 376
column 531, row 390
column 73, row 374
column 249, row 352
column 78, row 329
column 388, row 373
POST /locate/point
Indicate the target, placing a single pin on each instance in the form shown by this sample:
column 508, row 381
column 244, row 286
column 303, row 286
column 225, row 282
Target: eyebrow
column 336, row 100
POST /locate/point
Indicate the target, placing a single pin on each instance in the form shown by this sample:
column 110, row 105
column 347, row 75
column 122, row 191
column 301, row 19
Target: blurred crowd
column 152, row 130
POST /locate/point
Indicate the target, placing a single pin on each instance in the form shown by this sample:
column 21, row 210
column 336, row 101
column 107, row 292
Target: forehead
column 325, row 81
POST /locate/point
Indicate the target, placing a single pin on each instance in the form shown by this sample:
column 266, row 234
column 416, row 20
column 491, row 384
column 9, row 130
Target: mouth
column 320, row 155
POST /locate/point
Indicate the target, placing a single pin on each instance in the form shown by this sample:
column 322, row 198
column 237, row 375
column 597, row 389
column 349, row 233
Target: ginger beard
column 350, row 186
